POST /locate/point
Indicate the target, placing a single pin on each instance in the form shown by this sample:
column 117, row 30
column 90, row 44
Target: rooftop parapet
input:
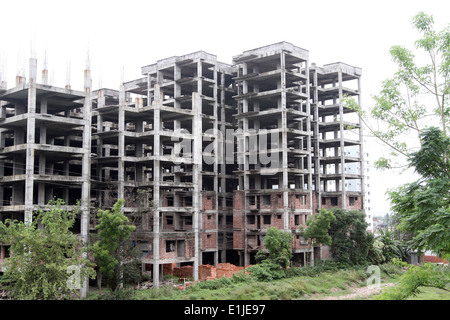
column 272, row 49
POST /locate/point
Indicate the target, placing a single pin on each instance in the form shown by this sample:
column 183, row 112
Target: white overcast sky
column 123, row 36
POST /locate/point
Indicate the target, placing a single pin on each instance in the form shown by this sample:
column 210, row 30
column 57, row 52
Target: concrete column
column 41, row 186
column 86, row 169
column 284, row 164
column 309, row 140
column 99, row 151
column 316, row 135
column 216, row 164
column 342, row 145
column 196, row 177
column 121, row 146
column 2, row 168
column 176, row 86
column 361, row 152
column 156, row 181
column 31, row 126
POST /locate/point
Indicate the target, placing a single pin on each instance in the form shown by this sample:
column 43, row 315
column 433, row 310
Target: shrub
column 267, row 271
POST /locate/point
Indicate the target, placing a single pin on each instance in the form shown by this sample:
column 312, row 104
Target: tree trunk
column 99, row 279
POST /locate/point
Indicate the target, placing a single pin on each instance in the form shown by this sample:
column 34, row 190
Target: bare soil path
column 357, row 293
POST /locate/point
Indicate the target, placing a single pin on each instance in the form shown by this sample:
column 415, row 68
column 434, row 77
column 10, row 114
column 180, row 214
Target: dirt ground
column 357, row 293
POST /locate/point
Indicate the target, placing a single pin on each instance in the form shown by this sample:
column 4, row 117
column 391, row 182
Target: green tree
column 423, row 207
column 417, row 95
column 391, row 247
column 350, row 240
column 429, row 275
column 45, row 255
column 111, row 250
column 318, row 227
column 278, row 244
column 273, row 261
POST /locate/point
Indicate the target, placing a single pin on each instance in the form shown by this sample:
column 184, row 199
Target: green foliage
column 350, row 240
column 318, row 227
column 390, row 246
column 428, row 275
column 422, row 206
column 322, row 267
column 42, row 253
column 118, row 294
column 278, row 243
column 113, row 244
column 271, row 263
column 415, row 96
column 323, row 278
column 267, row 271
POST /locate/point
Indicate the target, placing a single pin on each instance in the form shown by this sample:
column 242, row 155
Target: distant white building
column 355, row 185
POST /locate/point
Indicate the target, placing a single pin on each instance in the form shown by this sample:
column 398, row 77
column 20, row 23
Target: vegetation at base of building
column 350, row 241
column 115, row 257
column 273, row 261
column 317, row 227
column 44, row 254
column 47, row 261
column 299, row 283
column 327, row 278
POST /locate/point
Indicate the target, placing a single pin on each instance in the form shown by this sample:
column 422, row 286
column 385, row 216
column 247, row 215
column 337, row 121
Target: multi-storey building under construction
column 207, row 155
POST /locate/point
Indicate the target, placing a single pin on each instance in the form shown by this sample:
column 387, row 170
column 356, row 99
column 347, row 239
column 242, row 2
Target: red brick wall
column 296, row 201
column 238, row 220
column 357, row 204
column 209, row 240
column 208, row 204
column 277, row 221
column 238, row 200
column 238, row 240
column 206, row 271
column 188, row 249
column 227, row 270
column 183, row 272
column 209, row 220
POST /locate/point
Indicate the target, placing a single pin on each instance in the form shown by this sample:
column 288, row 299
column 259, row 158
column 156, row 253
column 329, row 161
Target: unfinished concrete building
column 207, row 155
column 294, row 135
column 158, row 145
column 45, row 144
column 274, row 146
column 337, row 136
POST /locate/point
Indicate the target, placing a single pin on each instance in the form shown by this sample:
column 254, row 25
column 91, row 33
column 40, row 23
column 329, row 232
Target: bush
column 391, row 269
column 267, row 271
column 213, row 284
column 118, row 294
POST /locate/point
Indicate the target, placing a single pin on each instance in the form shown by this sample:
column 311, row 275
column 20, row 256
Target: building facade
column 207, row 155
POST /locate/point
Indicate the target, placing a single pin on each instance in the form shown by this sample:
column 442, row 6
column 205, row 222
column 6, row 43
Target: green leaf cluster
column 415, row 96
column 429, row 275
column 350, row 240
column 277, row 256
column 114, row 230
column 278, row 244
column 41, row 254
column 423, row 206
column 318, row 227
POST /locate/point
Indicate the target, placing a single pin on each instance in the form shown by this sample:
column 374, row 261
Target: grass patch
column 245, row 287
column 429, row 293
column 300, row 283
